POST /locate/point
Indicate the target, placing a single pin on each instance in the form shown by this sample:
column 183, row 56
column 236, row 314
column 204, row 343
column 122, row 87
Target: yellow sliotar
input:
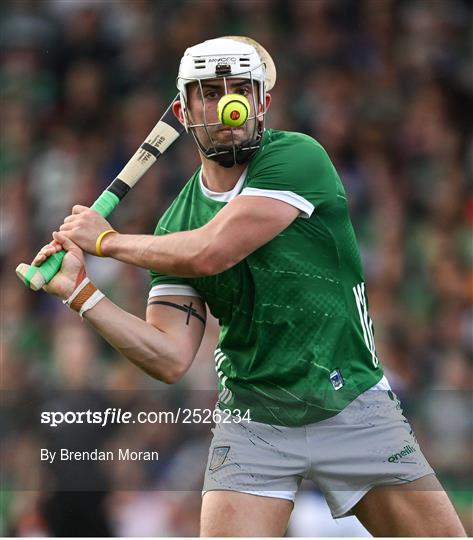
column 233, row 110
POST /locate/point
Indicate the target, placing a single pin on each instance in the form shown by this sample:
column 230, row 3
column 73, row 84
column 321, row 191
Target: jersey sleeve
column 297, row 171
column 166, row 288
column 164, row 285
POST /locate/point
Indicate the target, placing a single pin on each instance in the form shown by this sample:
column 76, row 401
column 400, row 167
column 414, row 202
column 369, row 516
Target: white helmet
column 221, row 57
column 227, row 57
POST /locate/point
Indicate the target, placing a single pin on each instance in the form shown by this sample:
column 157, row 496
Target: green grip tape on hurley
column 105, row 203
column 50, row 267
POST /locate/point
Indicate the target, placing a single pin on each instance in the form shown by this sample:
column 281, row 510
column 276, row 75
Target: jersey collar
column 225, row 196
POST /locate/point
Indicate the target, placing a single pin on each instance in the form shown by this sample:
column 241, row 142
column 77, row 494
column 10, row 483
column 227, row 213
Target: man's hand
column 83, row 227
column 72, row 270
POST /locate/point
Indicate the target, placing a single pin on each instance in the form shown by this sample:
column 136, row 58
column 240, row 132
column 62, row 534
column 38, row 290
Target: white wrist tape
column 76, row 291
column 91, row 302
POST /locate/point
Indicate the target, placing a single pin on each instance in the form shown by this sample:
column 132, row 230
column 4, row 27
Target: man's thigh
column 229, row 513
column 420, row 508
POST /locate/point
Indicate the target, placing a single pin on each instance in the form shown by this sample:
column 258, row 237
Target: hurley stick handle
column 35, row 277
column 164, row 133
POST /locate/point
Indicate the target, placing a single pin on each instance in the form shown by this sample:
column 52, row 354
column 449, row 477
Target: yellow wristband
column 98, row 242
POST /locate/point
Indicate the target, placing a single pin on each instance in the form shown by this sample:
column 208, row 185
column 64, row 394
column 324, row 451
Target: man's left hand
column 84, row 226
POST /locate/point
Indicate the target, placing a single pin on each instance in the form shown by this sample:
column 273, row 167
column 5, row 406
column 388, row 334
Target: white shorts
column 368, row 444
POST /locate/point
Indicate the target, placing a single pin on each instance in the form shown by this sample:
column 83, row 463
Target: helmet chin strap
column 228, row 156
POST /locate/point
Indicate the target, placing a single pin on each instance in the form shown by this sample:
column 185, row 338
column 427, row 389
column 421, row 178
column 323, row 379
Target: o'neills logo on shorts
column 408, row 449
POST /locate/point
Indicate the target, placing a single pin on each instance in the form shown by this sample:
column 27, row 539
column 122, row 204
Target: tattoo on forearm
column 191, row 311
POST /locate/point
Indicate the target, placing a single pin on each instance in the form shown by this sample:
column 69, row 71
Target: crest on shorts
column 219, row 455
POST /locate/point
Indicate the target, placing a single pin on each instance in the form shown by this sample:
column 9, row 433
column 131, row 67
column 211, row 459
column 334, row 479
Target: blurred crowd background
column 385, row 86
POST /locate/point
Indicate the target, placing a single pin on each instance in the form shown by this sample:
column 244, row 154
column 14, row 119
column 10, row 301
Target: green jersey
column 296, row 342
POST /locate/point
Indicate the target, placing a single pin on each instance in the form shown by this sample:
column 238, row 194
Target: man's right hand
column 72, row 270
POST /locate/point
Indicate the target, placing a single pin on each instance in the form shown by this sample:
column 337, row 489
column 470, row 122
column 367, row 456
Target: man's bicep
column 182, row 318
column 247, row 223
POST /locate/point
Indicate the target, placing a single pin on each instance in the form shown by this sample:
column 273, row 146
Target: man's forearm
column 147, row 347
column 180, row 254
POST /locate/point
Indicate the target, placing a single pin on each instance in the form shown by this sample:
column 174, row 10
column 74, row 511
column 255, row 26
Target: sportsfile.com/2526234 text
column 114, row 415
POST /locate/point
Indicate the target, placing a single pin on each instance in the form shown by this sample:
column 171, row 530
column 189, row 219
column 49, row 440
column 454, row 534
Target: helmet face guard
column 234, row 152
column 234, row 60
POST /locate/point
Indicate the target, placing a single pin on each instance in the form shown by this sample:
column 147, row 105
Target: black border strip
column 171, row 120
column 151, row 149
column 119, row 188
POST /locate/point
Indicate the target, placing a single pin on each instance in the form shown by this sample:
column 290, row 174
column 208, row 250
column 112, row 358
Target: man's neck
column 220, row 179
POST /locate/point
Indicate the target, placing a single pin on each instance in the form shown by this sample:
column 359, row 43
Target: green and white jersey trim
column 366, row 322
column 172, row 290
column 306, row 208
column 289, row 197
column 223, row 196
column 225, row 395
